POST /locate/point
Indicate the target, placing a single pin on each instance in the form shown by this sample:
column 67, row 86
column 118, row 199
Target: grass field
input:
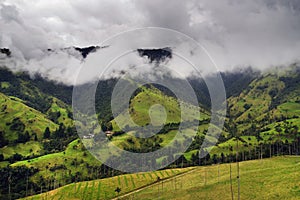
column 274, row 178
column 105, row 188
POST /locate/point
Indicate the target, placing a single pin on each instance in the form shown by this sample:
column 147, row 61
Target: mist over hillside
column 149, row 99
column 260, row 34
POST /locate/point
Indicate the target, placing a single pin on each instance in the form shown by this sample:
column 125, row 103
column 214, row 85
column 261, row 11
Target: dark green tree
column 1, row 157
column 47, row 133
column 118, row 190
column 3, row 141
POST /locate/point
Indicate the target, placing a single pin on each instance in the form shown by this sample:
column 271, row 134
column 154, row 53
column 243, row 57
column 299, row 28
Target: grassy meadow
column 274, row 178
column 105, row 188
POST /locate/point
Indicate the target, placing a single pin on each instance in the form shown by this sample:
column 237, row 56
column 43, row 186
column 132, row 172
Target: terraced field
column 105, row 188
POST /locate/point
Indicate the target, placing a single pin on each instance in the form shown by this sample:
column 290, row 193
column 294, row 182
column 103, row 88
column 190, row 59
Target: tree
column 118, row 190
column 1, row 157
column 222, row 157
column 195, row 158
column 23, row 138
column 3, row 141
column 17, row 125
column 47, row 133
column 60, row 133
column 215, row 159
column 53, row 116
column 181, row 161
column 35, row 137
column 15, row 157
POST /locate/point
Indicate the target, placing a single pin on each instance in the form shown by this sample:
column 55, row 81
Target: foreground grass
column 276, row 178
column 105, row 188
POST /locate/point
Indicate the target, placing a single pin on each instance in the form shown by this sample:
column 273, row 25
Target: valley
column 39, row 139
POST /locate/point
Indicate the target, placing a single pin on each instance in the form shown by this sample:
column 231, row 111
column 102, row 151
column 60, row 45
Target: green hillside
column 269, row 99
column 262, row 121
column 276, row 178
column 170, row 116
column 60, row 112
column 22, row 127
column 142, row 112
column 67, row 164
column 256, row 100
column 36, row 92
column 13, row 109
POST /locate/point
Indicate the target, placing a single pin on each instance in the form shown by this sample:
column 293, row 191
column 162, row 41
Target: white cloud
column 260, row 33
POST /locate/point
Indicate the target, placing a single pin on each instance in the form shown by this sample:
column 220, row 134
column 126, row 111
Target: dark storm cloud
column 260, row 33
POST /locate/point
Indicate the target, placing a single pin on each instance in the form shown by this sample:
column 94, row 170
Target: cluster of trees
column 16, row 125
column 286, row 141
column 52, row 142
column 144, row 145
column 164, row 130
column 291, row 84
column 15, row 182
column 196, row 143
column 58, row 139
column 36, row 92
column 23, row 136
column 263, row 150
column 17, row 88
column 54, row 116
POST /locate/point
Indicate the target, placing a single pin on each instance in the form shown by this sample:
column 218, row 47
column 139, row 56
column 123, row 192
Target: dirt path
column 152, row 184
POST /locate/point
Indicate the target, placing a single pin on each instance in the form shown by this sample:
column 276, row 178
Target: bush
column 17, row 125
column 23, row 138
column 57, row 167
column 15, row 157
column 247, row 106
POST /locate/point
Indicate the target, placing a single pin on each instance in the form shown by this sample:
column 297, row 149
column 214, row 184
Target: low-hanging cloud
column 258, row 33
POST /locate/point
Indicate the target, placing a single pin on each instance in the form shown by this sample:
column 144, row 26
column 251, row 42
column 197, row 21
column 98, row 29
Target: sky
column 257, row 33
